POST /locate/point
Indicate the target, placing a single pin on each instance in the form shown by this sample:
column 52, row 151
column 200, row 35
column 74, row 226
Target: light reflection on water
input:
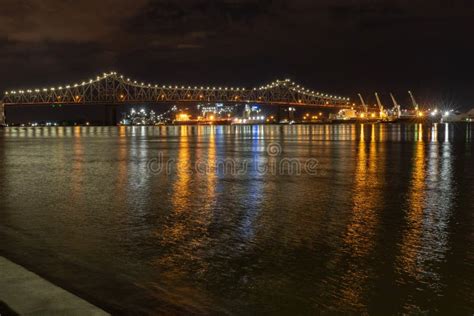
column 386, row 227
column 361, row 230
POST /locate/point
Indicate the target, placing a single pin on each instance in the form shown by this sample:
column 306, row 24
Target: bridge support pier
column 291, row 114
column 110, row 117
column 3, row 119
column 286, row 113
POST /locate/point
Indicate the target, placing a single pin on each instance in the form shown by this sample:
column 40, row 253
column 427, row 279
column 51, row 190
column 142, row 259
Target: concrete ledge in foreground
column 28, row 294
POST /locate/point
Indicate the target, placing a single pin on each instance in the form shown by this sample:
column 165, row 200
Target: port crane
column 413, row 101
column 379, row 103
column 363, row 102
column 396, row 106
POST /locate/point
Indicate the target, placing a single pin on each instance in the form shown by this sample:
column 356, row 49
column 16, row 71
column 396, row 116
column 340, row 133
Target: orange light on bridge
column 77, row 98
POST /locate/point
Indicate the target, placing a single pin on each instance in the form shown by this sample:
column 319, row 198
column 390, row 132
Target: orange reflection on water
column 212, row 162
column 412, row 237
column 184, row 237
column 181, row 191
column 185, row 221
column 78, row 161
column 360, row 235
column 175, row 231
column 372, row 134
column 122, row 173
column 382, row 133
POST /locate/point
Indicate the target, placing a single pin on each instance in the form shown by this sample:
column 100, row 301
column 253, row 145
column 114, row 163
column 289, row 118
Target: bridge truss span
column 113, row 88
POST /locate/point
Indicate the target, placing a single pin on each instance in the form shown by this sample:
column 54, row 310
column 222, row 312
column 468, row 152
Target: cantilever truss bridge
column 113, row 88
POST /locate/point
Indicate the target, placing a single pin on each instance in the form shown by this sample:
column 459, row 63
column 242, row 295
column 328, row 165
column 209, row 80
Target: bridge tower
column 291, row 114
column 110, row 115
column 2, row 114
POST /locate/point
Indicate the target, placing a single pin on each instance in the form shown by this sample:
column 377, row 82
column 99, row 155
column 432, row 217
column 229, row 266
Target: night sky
column 338, row 46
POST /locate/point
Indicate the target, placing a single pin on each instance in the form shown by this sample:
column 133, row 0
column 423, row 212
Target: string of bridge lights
column 76, row 85
column 287, row 82
column 294, row 87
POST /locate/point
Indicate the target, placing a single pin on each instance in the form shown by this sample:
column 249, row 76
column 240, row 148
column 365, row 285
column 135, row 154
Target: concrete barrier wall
column 28, row 294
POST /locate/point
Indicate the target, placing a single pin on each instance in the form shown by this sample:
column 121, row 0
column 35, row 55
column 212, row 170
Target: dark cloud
column 65, row 20
column 343, row 46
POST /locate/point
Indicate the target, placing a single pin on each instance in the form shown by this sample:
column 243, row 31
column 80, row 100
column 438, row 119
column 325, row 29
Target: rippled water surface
column 384, row 225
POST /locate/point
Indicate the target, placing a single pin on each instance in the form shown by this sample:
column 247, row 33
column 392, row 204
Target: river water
column 205, row 220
